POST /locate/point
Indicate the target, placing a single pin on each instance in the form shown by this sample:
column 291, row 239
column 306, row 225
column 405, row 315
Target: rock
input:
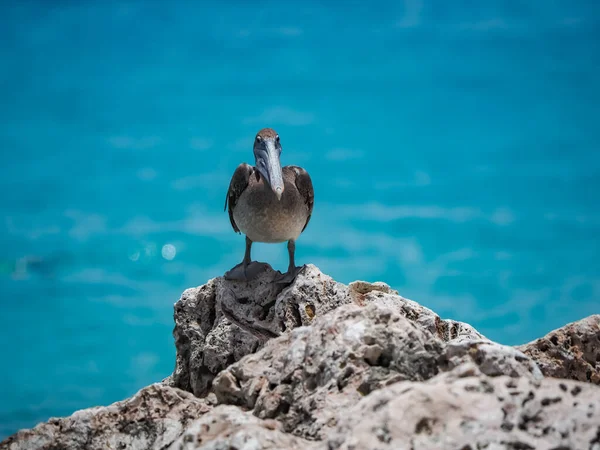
column 447, row 330
column 319, row 365
column 493, row 359
column 308, row 377
column 463, row 340
column 465, row 409
column 220, row 322
column 571, row 352
column 228, row 427
column 152, row 419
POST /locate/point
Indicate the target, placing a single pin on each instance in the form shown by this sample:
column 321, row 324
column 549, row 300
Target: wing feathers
column 239, row 182
column 305, row 188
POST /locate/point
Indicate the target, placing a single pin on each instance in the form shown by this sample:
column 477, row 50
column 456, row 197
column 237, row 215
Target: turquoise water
column 454, row 149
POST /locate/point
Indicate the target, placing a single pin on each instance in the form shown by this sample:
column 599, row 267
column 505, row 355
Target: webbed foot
column 246, row 272
column 289, row 276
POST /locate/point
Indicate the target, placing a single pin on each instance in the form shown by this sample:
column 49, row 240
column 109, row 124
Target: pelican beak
column 268, row 161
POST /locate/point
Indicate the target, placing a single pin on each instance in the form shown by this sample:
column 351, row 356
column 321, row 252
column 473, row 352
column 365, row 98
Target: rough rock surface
column 572, row 351
column 228, row 427
column 152, row 419
column 220, row 322
column 321, row 365
column 306, row 378
column 468, row 410
column 446, row 329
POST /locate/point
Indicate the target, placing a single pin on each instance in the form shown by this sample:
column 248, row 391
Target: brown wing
column 305, row 188
column 239, row 182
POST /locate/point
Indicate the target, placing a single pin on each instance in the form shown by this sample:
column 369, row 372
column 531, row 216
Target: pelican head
column 267, row 150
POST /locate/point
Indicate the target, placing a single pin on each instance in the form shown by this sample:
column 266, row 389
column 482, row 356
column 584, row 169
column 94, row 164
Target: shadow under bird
column 268, row 203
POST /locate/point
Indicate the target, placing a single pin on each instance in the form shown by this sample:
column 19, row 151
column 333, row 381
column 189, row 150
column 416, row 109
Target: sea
column 454, row 148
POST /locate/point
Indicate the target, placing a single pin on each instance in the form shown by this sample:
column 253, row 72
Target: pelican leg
column 246, row 270
column 293, row 270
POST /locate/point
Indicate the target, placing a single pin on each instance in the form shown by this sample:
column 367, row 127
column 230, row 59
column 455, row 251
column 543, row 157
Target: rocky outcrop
column 572, row 351
column 465, row 409
column 158, row 417
column 228, row 427
column 321, row 365
column 220, row 322
column 152, row 419
column 447, row 330
column 308, row 377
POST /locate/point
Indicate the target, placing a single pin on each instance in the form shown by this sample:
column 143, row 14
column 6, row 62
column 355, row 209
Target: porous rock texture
column 228, row 427
column 220, row 322
column 572, row 351
column 308, row 377
column 153, row 418
column 465, row 409
column 321, row 365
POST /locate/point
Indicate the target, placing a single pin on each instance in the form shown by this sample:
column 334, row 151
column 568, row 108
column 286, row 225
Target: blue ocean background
column 454, row 148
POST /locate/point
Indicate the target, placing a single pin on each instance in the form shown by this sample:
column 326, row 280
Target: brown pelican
column 268, row 204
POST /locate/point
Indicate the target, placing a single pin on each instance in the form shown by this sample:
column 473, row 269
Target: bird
column 268, row 204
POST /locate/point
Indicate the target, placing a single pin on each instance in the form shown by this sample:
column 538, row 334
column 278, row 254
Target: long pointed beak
column 273, row 166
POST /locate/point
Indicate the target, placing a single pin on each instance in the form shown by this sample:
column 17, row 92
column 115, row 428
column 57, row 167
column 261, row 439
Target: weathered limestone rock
column 308, row 377
column 572, row 351
column 447, row 330
column 468, row 410
column 318, row 365
column 151, row 419
column 228, row 427
column 218, row 323
column 462, row 339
